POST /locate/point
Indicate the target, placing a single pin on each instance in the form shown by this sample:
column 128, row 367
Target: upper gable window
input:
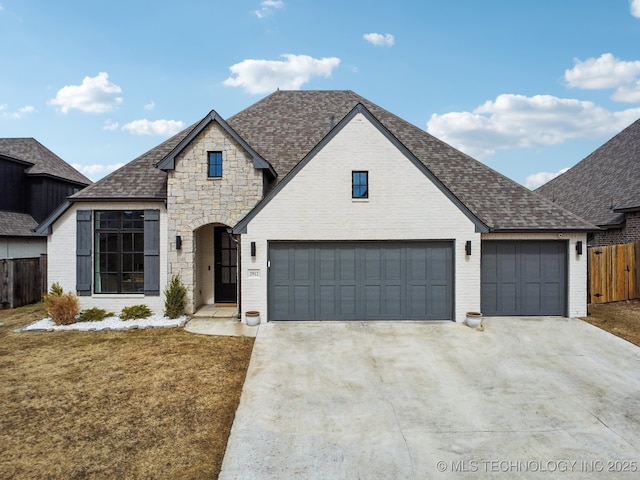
column 359, row 184
column 215, row 165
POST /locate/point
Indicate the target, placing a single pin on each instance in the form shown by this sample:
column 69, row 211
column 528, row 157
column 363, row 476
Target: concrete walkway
column 525, row 398
column 212, row 320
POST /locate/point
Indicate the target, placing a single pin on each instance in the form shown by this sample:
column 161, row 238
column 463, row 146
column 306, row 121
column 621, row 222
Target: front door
column 225, row 276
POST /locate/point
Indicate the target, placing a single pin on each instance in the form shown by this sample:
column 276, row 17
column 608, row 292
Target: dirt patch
column 155, row 403
column 620, row 318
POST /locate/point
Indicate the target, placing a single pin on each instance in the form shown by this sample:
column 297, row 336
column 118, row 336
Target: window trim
column 364, row 195
column 214, row 154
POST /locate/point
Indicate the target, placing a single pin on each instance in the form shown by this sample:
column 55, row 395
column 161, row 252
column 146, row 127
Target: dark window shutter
column 83, row 252
column 152, row 252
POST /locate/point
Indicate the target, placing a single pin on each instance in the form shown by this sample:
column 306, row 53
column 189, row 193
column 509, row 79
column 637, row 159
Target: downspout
column 238, row 271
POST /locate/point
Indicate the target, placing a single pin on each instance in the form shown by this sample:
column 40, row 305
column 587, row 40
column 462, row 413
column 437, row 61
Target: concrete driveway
column 525, row 398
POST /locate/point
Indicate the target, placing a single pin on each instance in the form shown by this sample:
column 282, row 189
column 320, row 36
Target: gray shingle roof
column 286, row 125
column 43, row 161
column 17, row 225
column 138, row 179
column 606, row 180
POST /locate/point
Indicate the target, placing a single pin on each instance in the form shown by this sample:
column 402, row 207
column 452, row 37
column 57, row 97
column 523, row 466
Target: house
column 604, row 188
column 318, row 205
column 33, row 182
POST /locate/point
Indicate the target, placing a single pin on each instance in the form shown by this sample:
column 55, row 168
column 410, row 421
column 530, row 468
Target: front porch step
column 216, row 311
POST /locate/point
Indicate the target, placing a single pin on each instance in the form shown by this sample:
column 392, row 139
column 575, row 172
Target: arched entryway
column 216, row 259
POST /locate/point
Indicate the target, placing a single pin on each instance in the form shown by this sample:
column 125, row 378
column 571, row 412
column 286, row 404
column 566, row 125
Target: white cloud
column 165, row 128
column 535, row 180
column 605, row 72
column 267, row 7
column 18, row 114
column 517, row 121
column 635, row 8
column 150, row 106
column 95, row 95
column 265, row 76
column 96, row 171
column 379, row 40
column 111, row 126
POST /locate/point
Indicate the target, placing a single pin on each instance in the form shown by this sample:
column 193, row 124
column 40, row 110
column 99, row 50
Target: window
column 119, row 251
column 215, row 164
column 360, row 184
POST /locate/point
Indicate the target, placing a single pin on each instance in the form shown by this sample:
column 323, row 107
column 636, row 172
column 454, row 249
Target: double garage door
column 360, row 280
column 524, row 277
column 411, row 280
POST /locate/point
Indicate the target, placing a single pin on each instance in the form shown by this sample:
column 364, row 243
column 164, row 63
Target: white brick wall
column 61, row 262
column 577, row 275
column 403, row 204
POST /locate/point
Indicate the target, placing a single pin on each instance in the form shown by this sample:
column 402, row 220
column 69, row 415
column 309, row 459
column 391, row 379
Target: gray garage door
column 524, row 278
column 360, row 281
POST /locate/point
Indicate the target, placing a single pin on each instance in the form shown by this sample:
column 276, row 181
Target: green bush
column 135, row 312
column 94, row 314
column 174, row 296
column 61, row 307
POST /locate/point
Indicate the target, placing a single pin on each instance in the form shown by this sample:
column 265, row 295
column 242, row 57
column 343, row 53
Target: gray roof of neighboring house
column 286, row 125
column 604, row 183
column 17, row 225
column 42, row 160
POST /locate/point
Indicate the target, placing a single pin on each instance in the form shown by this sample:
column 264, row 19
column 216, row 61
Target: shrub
column 174, row 296
column 135, row 311
column 94, row 315
column 61, row 307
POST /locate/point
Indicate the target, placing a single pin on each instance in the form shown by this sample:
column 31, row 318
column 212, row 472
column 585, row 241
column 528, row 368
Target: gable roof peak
column 169, row 161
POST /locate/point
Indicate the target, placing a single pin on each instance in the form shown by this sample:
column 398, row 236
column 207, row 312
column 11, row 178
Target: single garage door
column 360, row 280
column 524, row 277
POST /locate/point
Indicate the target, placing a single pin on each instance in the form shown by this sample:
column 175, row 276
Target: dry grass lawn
column 620, row 318
column 156, row 403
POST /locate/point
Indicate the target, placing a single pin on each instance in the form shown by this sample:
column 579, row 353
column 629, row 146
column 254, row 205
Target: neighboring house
column 604, row 188
column 318, row 205
column 33, row 182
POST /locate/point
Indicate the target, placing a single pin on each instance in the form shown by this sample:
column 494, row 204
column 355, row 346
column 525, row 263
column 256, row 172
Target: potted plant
column 474, row 319
column 252, row 318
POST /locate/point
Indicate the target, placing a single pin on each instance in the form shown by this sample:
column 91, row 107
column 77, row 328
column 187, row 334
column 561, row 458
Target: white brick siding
column 61, row 262
column 403, row 204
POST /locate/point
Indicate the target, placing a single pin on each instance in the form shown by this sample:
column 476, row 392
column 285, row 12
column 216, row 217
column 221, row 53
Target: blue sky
column 529, row 87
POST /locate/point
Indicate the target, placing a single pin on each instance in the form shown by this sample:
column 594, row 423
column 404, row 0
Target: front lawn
column 156, row 403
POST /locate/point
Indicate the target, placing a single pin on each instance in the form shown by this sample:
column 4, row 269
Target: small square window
column 359, row 184
column 215, row 164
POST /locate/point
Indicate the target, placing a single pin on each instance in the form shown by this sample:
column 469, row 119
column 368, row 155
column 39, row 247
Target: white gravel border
column 110, row 323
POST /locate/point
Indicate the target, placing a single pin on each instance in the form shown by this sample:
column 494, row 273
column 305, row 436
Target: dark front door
column 225, row 275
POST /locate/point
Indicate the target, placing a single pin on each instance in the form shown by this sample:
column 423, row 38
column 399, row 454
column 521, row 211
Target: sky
column 528, row 87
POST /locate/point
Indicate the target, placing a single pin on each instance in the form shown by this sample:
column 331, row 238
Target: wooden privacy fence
column 22, row 281
column 614, row 273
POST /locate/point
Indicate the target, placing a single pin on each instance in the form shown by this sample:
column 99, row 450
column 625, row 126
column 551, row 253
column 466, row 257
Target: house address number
column 254, row 273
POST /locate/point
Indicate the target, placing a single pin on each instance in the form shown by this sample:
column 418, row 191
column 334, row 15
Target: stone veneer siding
column 630, row 233
column 195, row 200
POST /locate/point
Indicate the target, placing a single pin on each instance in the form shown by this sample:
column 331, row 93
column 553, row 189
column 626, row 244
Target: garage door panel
column 438, row 300
column 524, row 277
column 360, row 280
